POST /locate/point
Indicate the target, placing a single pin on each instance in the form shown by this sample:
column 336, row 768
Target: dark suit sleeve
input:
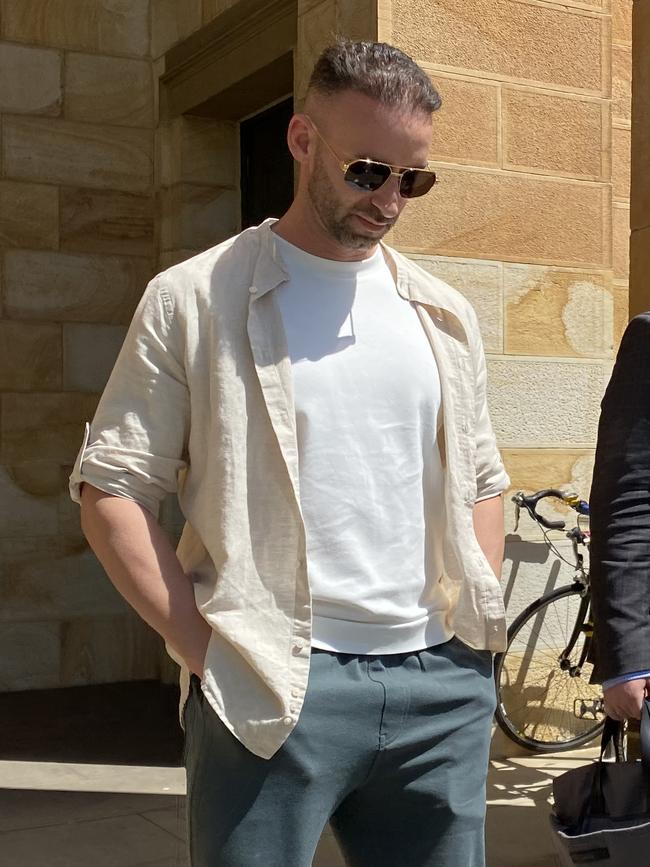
column 620, row 512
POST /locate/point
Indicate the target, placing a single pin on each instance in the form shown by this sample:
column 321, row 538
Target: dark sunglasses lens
column 416, row 183
column 367, row 175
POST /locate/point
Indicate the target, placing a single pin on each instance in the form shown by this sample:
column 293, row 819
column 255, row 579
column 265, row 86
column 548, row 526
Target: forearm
column 489, row 531
column 142, row 564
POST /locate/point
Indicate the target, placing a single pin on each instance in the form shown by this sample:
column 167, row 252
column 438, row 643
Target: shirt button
column 294, row 708
column 295, row 692
column 287, row 720
column 253, row 290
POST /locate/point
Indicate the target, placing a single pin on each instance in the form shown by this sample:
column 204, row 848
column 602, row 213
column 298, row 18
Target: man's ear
column 299, row 138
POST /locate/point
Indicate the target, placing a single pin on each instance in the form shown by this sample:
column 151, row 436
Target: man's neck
column 304, row 231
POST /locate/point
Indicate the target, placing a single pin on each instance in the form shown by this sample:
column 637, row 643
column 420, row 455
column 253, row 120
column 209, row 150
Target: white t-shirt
column 368, row 411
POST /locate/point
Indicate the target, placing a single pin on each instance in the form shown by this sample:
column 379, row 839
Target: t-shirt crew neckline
column 333, row 267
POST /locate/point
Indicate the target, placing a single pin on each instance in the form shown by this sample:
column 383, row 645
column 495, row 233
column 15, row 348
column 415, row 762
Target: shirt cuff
column 624, row 678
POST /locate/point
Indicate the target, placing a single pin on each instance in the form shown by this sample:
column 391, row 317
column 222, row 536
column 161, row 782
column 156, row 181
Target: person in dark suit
column 620, row 529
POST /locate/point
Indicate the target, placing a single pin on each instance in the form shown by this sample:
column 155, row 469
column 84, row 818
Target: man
column 334, row 593
column 620, row 529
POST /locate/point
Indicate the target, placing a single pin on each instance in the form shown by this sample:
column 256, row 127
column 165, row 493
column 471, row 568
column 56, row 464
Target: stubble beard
column 337, row 220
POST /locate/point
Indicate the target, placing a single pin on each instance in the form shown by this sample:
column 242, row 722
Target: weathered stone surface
column 530, row 43
column 108, row 649
column 38, row 478
column 23, row 514
column 89, row 353
column 481, row 283
column 621, row 147
column 640, row 268
column 40, row 578
column 103, row 221
column 199, row 150
column 562, row 404
column 621, row 301
column 558, row 312
column 173, row 257
column 29, row 215
column 552, row 133
column 316, row 29
column 110, row 26
column 212, row 8
column 125, row 86
column 622, row 21
column 621, row 81
column 78, row 154
column 29, row 656
column 465, row 127
column 621, row 240
column 30, row 356
column 640, row 216
column 533, row 469
column 44, row 427
column 197, row 216
column 30, row 80
column 72, row 288
column 171, row 22
column 490, row 215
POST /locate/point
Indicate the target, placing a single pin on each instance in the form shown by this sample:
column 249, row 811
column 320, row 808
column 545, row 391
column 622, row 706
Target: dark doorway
column 266, row 164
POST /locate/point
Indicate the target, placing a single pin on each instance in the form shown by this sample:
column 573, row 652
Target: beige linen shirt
column 200, row 402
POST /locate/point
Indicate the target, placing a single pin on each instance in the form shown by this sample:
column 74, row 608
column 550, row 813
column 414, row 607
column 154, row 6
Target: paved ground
column 62, row 814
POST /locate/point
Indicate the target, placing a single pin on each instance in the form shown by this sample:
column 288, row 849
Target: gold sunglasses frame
column 344, row 166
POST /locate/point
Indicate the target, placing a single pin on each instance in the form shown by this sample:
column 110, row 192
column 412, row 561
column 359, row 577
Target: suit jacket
column 620, row 512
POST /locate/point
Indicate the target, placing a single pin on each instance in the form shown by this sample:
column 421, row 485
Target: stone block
column 30, row 80
column 621, row 82
column 103, row 221
column 41, row 579
column 481, row 283
column 171, row 22
column 532, row 470
column 107, row 650
column 622, row 21
column 562, row 403
column 78, row 154
column 640, row 268
column 30, row 356
column 534, row 43
column 211, row 8
column 557, row 312
column 490, row 215
column 553, row 133
column 39, row 478
column 107, row 26
column 173, row 257
column 44, row 427
column 621, row 240
column 89, row 353
column 198, row 217
column 29, row 656
column 641, row 111
column 23, row 514
column 111, row 90
column 357, row 19
column 465, row 127
column 530, row 569
column 198, row 150
column 316, row 29
column 621, row 302
column 29, row 215
column 621, row 148
column 73, row 288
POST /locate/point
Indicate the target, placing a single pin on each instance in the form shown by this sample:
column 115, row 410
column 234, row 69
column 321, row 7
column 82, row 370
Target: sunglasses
column 369, row 175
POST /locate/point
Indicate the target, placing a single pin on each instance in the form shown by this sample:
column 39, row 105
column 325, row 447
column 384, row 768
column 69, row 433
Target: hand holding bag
column 602, row 810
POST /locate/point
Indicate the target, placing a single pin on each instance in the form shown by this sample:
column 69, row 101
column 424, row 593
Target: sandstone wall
column 530, row 219
column 77, row 244
column 640, row 219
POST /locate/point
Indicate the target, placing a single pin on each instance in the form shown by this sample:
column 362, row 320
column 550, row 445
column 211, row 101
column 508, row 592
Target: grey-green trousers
column 392, row 750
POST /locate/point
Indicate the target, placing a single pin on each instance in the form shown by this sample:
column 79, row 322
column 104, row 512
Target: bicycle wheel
column 544, row 699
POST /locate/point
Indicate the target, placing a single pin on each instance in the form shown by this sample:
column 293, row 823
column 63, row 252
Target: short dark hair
column 376, row 69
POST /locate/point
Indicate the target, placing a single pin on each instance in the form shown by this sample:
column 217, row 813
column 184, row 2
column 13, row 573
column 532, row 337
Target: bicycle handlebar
column 531, row 501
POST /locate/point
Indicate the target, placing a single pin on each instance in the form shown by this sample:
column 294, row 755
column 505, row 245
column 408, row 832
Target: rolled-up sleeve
column 491, row 477
column 136, row 445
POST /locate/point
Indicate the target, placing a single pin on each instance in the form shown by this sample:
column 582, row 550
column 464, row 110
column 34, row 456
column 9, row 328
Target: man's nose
column 387, row 198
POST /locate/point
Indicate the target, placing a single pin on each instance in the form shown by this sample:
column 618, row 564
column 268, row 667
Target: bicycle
column 545, row 701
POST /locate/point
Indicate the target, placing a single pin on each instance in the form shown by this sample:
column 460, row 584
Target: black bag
column 602, row 810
